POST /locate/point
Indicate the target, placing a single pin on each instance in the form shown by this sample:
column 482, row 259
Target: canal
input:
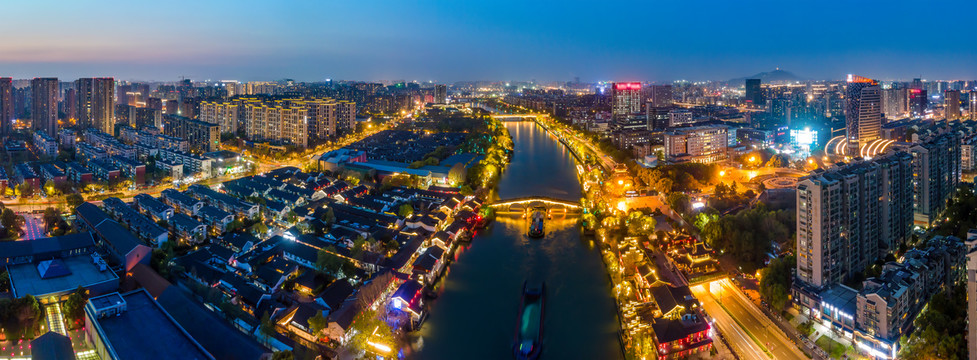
column 474, row 316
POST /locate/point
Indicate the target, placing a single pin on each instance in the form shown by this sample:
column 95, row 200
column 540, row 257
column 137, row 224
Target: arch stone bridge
column 521, row 205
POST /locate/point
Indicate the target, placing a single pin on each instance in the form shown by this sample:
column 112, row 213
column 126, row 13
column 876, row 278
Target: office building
column 951, row 104
column 440, row 94
column 679, row 117
column 625, row 98
column 201, row 136
column 44, row 104
column 700, row 144
column 660, row 96
column 6, row 106
column 936, row 163
column 754, row 94
column 917, row 102
column 863, row 112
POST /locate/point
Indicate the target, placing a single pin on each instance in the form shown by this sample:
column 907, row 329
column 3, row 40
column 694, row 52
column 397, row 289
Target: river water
column 474, row 317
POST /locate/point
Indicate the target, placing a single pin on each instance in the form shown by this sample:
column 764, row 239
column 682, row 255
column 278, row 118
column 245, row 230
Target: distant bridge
column 513, row 117
column 525, row 204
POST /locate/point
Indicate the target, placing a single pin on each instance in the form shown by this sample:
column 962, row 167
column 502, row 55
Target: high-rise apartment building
column 951, row 104
column 851, row 215
column 754, row 95
column 863, row 112
column 44, row 104
column 224, row 114
column 660, row 96
column 973, row 104
column 201, row 136
column 972, row 297
column 6, row 106
column 94, row 103
column 84, row 91
column 894, row 103
column 936, row 163
column 103, row 105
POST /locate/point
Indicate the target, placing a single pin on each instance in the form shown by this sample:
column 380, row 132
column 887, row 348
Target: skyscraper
column 951, row 104
column 6, row 106
column 625, row 98
column 754, row 95
column 917, row 102
column 103, row 105
column 660, row 96
column 973, row 104
column 44, row 105
column 440, row 94
column 863, row 112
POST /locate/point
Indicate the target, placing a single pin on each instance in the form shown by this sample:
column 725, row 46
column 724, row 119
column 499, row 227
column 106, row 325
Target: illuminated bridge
column 523, row 205
column 513, row 117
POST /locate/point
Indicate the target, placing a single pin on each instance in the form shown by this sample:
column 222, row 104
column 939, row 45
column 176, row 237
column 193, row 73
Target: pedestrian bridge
column 522, row 205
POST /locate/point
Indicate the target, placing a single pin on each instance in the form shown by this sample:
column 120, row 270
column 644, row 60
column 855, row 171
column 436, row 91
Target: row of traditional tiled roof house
column 251, row 270
column 666, row 313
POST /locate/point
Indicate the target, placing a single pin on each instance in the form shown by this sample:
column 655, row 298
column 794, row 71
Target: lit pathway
column 55, row 319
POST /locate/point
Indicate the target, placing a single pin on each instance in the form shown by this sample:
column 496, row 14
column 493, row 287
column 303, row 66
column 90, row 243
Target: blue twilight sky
column 487, row 40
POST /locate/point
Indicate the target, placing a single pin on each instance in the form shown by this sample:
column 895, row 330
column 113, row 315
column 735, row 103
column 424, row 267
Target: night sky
column 447, row 41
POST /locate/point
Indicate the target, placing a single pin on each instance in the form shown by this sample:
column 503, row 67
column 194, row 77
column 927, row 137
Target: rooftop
column 82, row 271
column 145, row 331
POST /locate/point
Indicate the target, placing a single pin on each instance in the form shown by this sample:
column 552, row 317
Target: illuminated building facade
column 863, row 115
column 625, row 98
column 699, row 144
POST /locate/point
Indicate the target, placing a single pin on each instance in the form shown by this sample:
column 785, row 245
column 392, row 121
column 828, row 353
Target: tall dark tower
column 754, row 96
column 6, row 106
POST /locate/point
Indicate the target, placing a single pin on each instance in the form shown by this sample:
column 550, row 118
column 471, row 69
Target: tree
column 74, row 306
column 74, row 200
column 405, row 210
column 640, row 225
column 328, row 262
column 775, row 281
column 329, row 216
column 941, row 329
column 49, row 188
column 457, row 173
column 11, row 222
column 25, row 190
column 318, row 323
column 51, row 218
column 283, row 355
column 267, row 326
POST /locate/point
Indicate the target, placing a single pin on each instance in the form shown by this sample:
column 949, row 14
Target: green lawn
column 832, row 347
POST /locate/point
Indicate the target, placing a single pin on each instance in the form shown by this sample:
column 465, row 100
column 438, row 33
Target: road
column 738, row 339
column 752, row 320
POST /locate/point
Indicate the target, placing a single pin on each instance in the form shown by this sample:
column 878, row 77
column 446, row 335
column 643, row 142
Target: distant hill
column 768, row 77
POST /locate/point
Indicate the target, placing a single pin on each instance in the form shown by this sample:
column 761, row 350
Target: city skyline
column 313, row 42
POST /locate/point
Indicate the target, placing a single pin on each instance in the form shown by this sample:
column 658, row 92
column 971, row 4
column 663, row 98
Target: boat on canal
column 529, row 331
column 536, row 226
